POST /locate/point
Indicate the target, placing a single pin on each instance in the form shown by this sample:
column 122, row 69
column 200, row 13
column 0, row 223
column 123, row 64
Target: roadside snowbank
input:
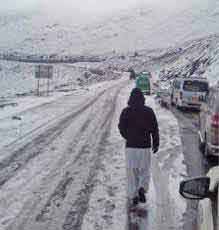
column 168, row 169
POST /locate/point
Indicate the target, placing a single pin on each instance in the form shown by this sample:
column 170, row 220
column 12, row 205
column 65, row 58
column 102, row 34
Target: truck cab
column 143, row 82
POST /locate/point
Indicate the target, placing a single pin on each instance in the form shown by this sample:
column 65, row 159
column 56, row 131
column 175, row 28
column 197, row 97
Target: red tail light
column 215, row 120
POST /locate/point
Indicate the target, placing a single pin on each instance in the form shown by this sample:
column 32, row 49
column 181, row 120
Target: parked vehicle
column 209, row 124
column 147, row 73
column 205, row 189
column 163, row 94
column 143, row 82
column 189, row 92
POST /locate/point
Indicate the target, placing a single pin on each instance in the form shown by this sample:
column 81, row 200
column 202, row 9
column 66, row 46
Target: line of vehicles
column 190, row 93
column 195, row 93
column 206, row 189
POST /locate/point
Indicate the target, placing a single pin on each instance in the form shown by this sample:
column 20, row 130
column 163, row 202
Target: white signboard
column 44, row 71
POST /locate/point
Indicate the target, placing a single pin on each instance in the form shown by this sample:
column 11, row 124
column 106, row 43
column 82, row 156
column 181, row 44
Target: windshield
column 195, row 86
column 146, row 74
column 143, row 80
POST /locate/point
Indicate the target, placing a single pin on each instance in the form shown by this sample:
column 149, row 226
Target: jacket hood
column 136, row 98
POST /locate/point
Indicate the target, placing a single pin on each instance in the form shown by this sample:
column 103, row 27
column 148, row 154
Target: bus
column 143, row 82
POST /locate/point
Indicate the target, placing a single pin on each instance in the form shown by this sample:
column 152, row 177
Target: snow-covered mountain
column 182, row 41
column 144, row 26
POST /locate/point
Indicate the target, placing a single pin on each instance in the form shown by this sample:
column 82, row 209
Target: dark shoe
column 135, row 201
column 141, row 193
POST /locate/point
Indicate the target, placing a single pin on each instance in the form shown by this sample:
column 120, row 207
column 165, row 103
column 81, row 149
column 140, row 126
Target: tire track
column 22, row 156
column 55, row 202
column 56, row 196
column 74, row 218
column 46, row 213
column 74, row 114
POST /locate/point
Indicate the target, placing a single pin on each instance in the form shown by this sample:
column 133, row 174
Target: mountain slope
column 137, row 28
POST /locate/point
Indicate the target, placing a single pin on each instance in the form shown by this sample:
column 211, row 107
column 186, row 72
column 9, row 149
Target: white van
column 189, row 92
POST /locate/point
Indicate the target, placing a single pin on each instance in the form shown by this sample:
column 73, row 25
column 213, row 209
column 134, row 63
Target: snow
column 170, row 157
column 120, row 34
column 107, row 204
column 131, row 29
column 107, row 208
column 212, row 72
column 19, row 78
column 39, row 169
column 35, row 112
column 178, row 173
column 113, row 177
column 185, row 40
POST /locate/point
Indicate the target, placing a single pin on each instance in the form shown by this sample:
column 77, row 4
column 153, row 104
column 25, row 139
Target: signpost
column 43, row 72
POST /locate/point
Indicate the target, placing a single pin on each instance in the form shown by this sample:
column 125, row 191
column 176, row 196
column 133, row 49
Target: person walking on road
column 138, row 126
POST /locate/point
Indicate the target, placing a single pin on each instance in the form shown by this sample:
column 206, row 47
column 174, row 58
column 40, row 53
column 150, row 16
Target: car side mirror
column 196, row 188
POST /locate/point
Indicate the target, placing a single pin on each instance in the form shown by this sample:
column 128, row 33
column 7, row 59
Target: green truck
column 143, row 82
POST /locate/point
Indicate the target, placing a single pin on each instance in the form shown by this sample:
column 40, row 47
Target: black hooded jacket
column 138, row 123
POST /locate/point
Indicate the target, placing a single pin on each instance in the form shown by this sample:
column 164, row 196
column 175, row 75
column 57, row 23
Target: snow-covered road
column 66, row 170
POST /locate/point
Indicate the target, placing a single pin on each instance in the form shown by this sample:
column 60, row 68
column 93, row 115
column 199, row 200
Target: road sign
column 43, row 72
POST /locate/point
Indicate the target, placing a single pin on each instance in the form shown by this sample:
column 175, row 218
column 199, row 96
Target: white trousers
column 138, row 163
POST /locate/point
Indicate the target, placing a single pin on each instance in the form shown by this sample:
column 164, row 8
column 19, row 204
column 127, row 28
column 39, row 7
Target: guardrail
column 50, row 60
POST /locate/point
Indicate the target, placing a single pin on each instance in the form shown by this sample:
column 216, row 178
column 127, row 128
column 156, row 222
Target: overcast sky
column 85, row 6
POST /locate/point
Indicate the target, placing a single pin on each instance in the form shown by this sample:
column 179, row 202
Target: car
column 189, row 92
column 165, row 98
column 164, row 94
column 209, row 124
column 205, row 189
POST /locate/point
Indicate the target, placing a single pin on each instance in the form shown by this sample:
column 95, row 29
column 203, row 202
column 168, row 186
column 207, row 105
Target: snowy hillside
column 17, row 79
column 137, row 28
column 195, row 57
column 128, row 38
column 198, row 57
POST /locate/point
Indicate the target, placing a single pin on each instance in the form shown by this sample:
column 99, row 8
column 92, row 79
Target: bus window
column 195, row 86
